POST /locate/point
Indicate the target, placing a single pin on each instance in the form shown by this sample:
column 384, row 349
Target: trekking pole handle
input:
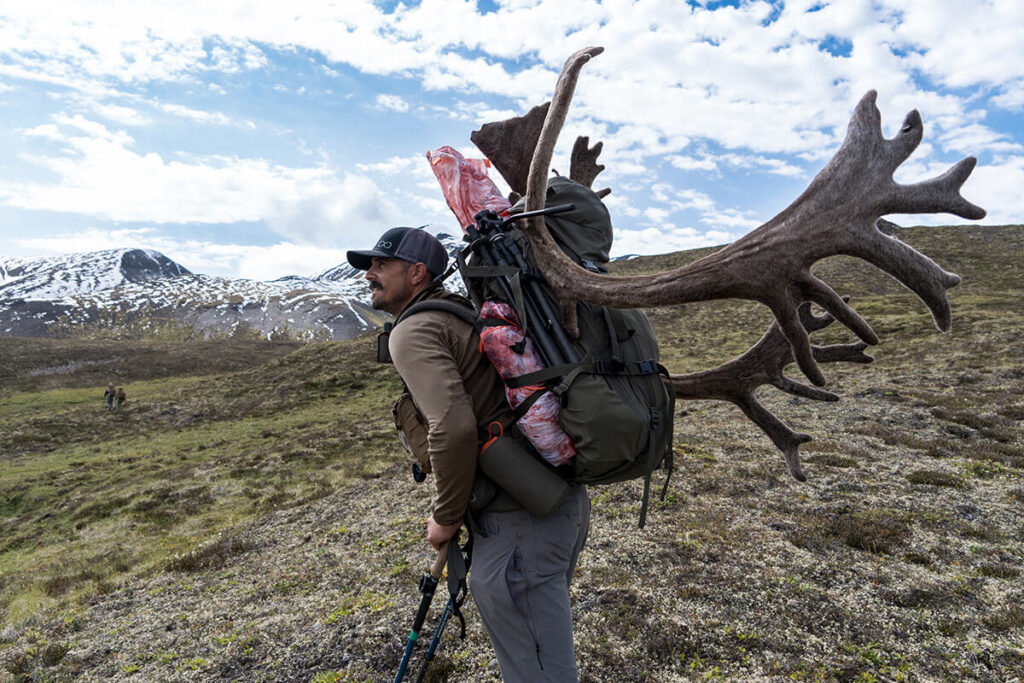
column 439, row 562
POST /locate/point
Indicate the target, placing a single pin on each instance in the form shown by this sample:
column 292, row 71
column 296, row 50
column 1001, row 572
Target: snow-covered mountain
column 40, row 296
column 54, row 277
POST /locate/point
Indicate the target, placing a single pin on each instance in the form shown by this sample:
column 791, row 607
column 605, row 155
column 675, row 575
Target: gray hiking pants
column 520, row 583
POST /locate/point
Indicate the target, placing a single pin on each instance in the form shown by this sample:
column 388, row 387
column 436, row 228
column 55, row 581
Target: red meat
column 513, row 355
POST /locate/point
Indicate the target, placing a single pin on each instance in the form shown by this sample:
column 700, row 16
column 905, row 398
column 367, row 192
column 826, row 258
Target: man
column 522, row 564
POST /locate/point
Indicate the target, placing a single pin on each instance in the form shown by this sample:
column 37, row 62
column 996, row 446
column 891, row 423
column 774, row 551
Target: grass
column 249, row 515
column 154, row 483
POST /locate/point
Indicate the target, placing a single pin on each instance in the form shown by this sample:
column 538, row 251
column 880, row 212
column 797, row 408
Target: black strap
column 460, row 307
column 459, row 561
column 512, row 279
column 541, row 376
column 634, row 369
column 668, row 472
column 613, row 337
column 588, row 365
column 458, row 310
column 523, row 407
column 646, row 499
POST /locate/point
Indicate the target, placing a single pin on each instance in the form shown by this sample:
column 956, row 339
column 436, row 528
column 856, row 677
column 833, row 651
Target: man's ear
column 420, row 274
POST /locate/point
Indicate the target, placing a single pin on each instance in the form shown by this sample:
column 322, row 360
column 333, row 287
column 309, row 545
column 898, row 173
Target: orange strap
column 480, row 346
column 494, row 435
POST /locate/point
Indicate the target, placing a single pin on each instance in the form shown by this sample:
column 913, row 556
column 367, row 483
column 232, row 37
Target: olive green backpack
column 615, row 405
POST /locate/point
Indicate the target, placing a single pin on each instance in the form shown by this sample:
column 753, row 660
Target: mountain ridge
column 57, row 295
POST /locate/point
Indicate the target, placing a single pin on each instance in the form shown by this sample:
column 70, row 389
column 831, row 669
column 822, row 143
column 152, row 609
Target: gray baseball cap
column 409, row 244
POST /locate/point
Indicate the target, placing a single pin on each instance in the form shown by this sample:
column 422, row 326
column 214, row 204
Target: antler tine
column 812, row 322
column 845, row 353
column 914, row 270
column 848, row 353
column 939, row 194
column 536, row 184
column 509, row 145
column 583, row 167
column 763, row 363
column 785, row 439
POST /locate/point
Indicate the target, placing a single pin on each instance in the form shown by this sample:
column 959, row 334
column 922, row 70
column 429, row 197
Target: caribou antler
column 583, row 165
column 835, row 215
column 509, row 145
column 736, row 380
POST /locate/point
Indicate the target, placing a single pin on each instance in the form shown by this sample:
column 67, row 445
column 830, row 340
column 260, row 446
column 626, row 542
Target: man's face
column 391, row 285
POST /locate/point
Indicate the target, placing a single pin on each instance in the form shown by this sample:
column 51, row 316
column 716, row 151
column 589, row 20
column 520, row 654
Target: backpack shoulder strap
column 459, row 310
column 454, row 304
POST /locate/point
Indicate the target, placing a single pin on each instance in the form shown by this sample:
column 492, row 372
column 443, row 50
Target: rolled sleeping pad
column 533, row 484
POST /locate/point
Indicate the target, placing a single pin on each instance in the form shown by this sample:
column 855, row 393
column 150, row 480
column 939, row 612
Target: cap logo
column 383, row 244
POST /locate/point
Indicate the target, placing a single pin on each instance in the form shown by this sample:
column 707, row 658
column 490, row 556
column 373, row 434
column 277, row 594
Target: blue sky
column 258, row 139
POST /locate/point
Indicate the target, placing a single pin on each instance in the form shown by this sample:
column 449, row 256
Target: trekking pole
column 448, row 611
column 427, row 586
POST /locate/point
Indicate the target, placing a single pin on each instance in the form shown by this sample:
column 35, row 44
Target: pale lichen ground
column 742, row 574
column 899, row 559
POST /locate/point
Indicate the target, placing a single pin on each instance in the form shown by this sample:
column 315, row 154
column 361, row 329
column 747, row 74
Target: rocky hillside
column 259, row 522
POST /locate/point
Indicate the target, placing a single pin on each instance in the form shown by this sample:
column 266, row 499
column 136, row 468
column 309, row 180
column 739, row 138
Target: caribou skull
column 836, row 214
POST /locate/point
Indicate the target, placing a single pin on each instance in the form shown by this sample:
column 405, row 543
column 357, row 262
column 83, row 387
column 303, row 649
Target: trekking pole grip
column 439, row 562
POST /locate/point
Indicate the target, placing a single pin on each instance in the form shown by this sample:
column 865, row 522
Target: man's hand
column 438, row 534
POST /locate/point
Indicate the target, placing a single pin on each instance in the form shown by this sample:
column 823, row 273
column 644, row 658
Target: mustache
column 375, row 285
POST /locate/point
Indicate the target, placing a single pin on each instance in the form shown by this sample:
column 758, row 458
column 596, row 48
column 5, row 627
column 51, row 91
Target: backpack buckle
column 647, row 367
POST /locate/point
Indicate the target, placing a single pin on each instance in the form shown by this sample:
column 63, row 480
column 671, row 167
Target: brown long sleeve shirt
column 457, row 391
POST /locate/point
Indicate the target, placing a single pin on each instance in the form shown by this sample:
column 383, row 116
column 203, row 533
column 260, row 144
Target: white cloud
column 772, row 166
column 126, row 116
column 967, row 42
column 729, row 218
column 975, row 139
column 101, row 175
column 689, row 163
column 673, row 72
column 393, row 165
column 752, row 82
column 664, row 239
column 91, row 239
column 193, row 114
column 1012, row 96
column 278, row 260
column 391, row 103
